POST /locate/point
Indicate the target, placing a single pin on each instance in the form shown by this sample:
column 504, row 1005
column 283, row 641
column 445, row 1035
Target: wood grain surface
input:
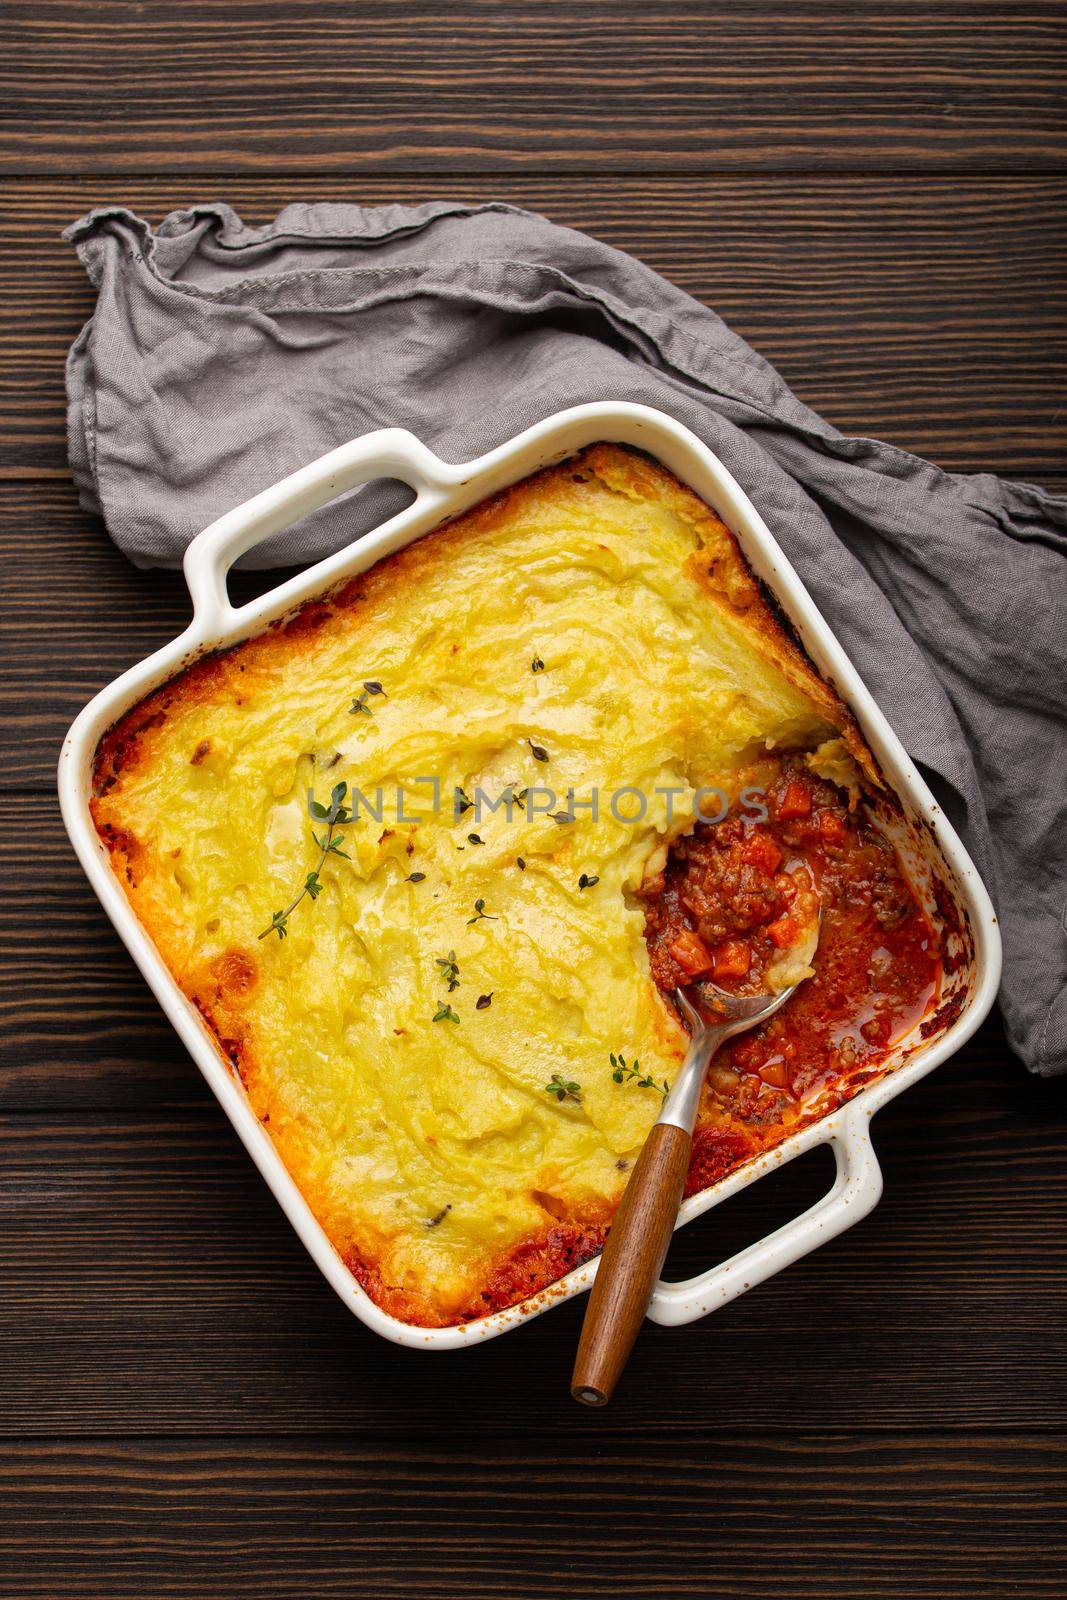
column 486, row 1518
column 874, row 196
column 326, row 85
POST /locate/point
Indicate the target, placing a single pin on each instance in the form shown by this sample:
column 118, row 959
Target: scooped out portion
column 720, row 892
column 795, row 883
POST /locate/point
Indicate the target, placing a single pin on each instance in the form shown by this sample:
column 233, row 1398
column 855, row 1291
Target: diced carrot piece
column 691, row 954
column 782, row 933
column 832, row 826
column 761, row 851
column 733, row 959
column 795, row 801
column 774, row 1073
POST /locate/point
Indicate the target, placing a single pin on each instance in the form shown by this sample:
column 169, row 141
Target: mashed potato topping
column 427, row 1039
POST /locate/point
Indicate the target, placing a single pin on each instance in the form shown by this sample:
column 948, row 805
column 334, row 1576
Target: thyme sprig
column 359, row 706
column 564, row 1089
column 624, row 1071
column 335, row 815
column 480, row 912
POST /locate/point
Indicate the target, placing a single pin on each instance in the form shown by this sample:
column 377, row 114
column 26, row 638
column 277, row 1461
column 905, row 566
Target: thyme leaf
column 331, row 847
column 484, row 1001
column 587, row 882
column 538, row 751
column 564, row 1089
column 537, row 665
column 444, row 1013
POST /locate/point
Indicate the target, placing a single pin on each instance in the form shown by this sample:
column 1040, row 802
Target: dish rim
column 444, row 490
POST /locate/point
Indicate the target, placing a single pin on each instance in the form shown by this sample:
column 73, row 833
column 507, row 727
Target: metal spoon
column 642, row 1227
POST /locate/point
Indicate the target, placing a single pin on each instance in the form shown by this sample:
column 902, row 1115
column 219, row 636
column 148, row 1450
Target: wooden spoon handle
column 631, row 1263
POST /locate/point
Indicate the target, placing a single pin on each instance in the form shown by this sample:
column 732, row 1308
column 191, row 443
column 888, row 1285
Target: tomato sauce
column 726, row 905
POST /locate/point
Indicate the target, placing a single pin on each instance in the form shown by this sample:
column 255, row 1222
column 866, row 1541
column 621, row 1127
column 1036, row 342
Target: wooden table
column 874, row 195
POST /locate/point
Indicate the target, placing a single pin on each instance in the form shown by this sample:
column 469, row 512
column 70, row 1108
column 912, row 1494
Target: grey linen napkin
column 221, row 357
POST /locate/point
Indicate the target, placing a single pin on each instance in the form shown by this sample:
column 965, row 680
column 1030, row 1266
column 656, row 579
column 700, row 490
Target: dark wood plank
column 928, row 311
column 690, row 1515
column 487, row 85
column 79, row 1027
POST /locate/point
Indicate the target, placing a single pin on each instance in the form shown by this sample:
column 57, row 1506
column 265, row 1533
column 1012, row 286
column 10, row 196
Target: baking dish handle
column 387, row 453
column 855, row 1192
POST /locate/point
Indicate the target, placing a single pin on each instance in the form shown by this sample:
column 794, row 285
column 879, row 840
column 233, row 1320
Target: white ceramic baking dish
column 936, row 859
